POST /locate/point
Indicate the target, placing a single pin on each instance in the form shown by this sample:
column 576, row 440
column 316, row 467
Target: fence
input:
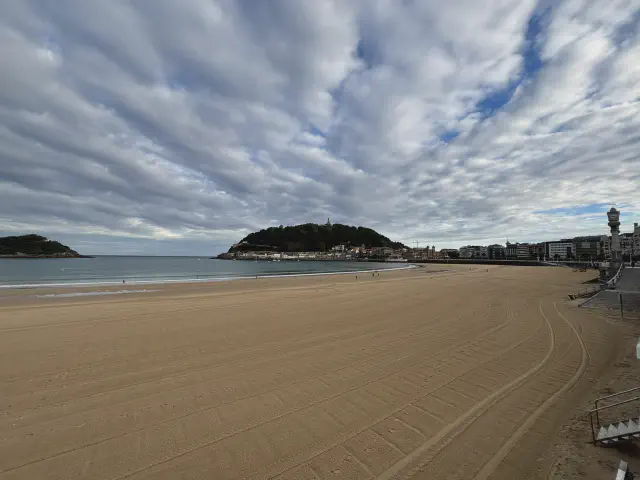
column 594, row 415
column 612, row 282
column 592, row 290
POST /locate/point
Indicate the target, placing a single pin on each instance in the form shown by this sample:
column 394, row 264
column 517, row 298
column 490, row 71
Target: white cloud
column 205, row 120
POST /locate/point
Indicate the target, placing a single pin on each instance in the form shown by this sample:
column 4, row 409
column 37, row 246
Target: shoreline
column 189, row 281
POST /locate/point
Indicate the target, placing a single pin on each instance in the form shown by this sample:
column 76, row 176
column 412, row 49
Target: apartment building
column 560, row 250
column 586, row 249
column 523, row 251
column 496, row 251
column 473, row 251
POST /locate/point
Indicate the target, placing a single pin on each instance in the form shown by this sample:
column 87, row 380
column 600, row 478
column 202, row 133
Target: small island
column 35, row 246
column 312, row 241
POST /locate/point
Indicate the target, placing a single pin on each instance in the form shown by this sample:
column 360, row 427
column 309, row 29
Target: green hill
column 34, row 246
column 311, row 237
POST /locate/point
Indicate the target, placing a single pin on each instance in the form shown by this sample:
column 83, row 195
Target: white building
column 473, row 251
column 522, row 250
column 563, row 250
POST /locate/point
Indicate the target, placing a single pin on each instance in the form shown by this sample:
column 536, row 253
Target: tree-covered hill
column 34, row 246
column 311, row 237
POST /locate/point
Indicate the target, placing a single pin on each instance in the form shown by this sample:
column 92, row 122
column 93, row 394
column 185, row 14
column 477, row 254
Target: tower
column 614, row 224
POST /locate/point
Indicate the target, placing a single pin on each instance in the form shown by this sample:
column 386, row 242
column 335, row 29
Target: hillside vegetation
column 311, row 237
column 34, row 245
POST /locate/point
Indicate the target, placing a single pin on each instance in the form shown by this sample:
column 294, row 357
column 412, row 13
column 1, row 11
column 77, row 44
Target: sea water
column 111, row 270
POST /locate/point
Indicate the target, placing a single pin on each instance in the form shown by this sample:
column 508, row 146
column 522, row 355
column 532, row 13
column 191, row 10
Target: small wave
column 86, row 294
column 202, row 279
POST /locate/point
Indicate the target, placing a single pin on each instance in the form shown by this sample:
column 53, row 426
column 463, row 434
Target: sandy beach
column 468, row 373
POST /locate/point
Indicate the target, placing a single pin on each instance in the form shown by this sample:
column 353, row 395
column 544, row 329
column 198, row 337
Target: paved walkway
column 628, row 285
column 629, row 280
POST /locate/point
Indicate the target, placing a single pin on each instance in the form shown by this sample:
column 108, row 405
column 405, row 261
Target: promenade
column 628, row 286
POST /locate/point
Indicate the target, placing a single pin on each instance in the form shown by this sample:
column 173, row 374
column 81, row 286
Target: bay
column 107, row 270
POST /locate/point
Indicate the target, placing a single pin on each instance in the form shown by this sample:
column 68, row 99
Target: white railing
column 612, row 282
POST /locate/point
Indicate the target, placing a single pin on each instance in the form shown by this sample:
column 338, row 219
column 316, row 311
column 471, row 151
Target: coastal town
column 582, row 248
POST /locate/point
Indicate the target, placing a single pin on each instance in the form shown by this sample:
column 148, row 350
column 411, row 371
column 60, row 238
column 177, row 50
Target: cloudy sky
column 177, row 127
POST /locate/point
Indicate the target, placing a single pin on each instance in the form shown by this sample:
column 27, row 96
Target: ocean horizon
column 143, row 269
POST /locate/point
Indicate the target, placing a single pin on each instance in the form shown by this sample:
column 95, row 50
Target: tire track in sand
column 162, row 351
column 474, row 412
column 261, row 473
column 435, row 323
column 494, row 329
column 493, row 463
column 353, row 433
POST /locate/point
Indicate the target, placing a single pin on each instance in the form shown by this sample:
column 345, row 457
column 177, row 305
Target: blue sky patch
column 313, row 130
column 576, row 209
column 532, row 62
column 449, row 135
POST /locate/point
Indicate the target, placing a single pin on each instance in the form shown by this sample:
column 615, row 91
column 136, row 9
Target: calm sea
column 108, row 270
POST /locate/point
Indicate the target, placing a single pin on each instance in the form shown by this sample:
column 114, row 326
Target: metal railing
column 596, row 411
column 612, row 282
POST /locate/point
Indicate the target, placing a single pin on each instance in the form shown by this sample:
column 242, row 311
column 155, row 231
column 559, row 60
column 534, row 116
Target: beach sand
column 474, row 373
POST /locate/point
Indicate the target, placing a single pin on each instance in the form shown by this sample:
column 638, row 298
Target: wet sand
column 414, row 374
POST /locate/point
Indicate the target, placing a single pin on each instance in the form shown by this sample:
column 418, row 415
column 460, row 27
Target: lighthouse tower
column 616, row 254
column 614, row 224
